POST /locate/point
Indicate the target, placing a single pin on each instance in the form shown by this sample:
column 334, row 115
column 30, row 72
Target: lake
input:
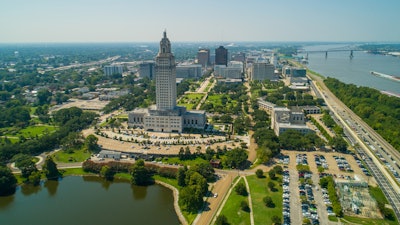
column 88, row 200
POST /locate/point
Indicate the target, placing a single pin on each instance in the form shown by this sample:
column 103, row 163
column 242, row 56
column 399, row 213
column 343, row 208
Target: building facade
column 166, row 116
column 262, row 71
column 189, row 71
column 147, row 69
column 221, row 56
column 113, row 69
column 203, row 57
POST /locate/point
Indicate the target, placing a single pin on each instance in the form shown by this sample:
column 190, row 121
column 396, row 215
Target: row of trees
column 379, row 111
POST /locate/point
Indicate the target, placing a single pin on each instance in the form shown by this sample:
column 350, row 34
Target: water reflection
column 139, row 192
column 28, row 189
column 6, row 201
column 52, row 186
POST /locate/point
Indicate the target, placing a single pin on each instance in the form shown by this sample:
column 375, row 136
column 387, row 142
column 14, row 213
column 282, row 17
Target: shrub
column 268, row 202
column 259, row 173
column 240, row 189
column 244, row 206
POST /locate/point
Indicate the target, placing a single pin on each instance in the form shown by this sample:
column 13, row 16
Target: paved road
column 343, row 114
column 221, row 187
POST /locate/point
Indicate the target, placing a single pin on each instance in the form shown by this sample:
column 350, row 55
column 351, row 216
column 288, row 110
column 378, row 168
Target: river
column 356, row 70
column 88, row 200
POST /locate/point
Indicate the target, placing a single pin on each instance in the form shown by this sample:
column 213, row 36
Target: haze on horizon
column 198, row 21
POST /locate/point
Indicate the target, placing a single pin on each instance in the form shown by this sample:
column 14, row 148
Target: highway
column 363, row 137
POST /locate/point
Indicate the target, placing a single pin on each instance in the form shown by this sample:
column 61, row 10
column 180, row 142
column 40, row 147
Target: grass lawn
column 232, row 209
column 333, row 218
column 258, row 190
column 368, row 221
column 377, row 194
column 77, row 156
column 37, row 130
column 190, row 101
column 75, row 172
column 176, row 160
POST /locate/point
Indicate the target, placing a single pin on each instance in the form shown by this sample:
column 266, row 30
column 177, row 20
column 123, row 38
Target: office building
column 221, row 56
column 189, row 71
column 147, row 69
column 203, row 57
column 262, row 71
column 113, row 69
column 284, row 119
column 234, row 70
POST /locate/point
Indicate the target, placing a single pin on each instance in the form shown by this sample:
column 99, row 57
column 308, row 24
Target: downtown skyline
column 189, row 21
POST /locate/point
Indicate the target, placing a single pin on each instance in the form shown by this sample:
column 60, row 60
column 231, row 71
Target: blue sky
column 201, row 20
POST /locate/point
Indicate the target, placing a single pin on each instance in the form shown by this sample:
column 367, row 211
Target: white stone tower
column 165, row 72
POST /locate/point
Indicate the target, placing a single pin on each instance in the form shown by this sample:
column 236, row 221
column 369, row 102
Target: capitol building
column 166, row 116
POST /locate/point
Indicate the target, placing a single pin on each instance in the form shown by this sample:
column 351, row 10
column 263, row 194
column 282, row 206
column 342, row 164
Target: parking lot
column 307, row 199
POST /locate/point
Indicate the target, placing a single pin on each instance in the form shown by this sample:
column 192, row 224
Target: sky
column 199, row 21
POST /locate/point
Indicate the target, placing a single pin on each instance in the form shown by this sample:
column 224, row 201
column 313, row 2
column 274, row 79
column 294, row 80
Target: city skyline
column 219, row 21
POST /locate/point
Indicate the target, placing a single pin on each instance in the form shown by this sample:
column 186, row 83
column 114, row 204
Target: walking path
column 250, row 201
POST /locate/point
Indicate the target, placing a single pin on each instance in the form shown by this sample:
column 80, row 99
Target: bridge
column 350, row 49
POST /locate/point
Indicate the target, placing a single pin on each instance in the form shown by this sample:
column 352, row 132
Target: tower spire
column 165, row 33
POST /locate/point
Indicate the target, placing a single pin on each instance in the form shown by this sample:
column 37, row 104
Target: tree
column 272, row 174
column 268, row 202
column 190, row 198
column 44, row 96
column 244, row 206
column 107, row 172
column 339, row 144
column 278, row 169
column 271, row 185
column 181, row 176
column 205, row 169
column 240, row 189
column 276, row 219
column 259, row 173
column 26, row 165
column 91, row 143
column 34, row 178
column 50, row 169
column 140, row 175
column 221, row 220
column 8, row 182
column 235, row 158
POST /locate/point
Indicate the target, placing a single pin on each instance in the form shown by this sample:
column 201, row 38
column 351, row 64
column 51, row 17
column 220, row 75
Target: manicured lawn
column 29, row 132
column 333, row 218
column 377, row 194
column 32, row 131
column 75, row 172
column 176, row 160
column 232, row 209
column 368, row 221
column 190, row 101
column 259, row 189
column 76, row 156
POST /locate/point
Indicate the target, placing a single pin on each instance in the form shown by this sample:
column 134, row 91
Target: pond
column 88, row 200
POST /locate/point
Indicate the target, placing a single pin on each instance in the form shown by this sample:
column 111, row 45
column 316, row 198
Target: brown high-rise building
column 203, row 57
column 221, row 56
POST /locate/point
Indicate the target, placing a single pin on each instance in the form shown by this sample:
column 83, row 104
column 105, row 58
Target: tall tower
column 165, row 71
column 221, row 56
